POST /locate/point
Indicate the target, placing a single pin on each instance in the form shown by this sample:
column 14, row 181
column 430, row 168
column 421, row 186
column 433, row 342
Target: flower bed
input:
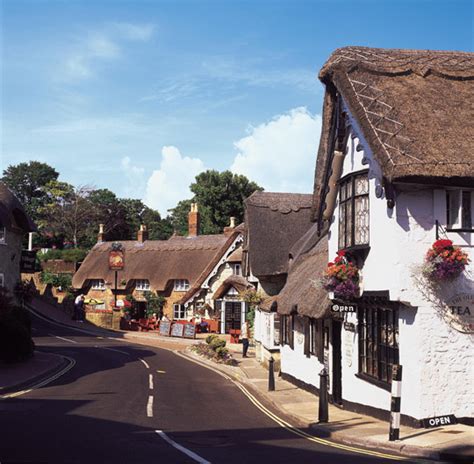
column 342, row 278
column 215, row 349
column 444, row 261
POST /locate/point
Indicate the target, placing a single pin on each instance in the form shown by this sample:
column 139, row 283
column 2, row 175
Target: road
column 128, row 403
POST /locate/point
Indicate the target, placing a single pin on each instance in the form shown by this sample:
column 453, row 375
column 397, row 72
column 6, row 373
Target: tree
column 219, row 195
column 27, row 182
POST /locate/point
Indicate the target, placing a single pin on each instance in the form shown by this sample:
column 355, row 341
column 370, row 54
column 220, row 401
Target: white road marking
column 145, row 363
column 181, row 448
column 161, row 372
column 62, row 338
column 71, row 364
column 149, row 407
column 150, row 378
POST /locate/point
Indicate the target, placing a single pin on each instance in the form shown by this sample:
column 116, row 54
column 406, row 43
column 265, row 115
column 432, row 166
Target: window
column 179, row 311
column 181, row 285
column 97, row 284
column 236, row 269
column 142, row 284
column 315, row 336
column 354, row 211
column 378, row 342
column 2, row 280
column 459, row 209
column 232, row 292
column 286, row 329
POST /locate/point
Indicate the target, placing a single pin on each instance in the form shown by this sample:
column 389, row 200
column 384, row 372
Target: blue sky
column 140, row 96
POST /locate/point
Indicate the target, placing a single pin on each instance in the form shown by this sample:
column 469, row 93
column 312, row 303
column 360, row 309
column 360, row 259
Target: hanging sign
column 343, row 308
column 28, row 261
column 116, row 257
column 439, row 421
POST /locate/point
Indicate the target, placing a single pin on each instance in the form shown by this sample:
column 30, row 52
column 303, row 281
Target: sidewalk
column 449, row 444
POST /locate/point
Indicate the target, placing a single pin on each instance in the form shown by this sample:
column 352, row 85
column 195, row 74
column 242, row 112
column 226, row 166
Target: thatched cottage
column 394, row 173
column 274, row 224
column 14, row 224
column 169, row 268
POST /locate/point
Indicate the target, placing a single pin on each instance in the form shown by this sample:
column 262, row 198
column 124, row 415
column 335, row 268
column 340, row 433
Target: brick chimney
column 228, row 230
column 101, row 235
column 194, row 221
column 142, row 233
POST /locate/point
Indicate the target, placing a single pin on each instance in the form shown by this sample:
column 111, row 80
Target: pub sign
column 116, row 257
column 28, row 261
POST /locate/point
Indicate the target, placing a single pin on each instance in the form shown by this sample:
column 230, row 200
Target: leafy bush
column 211, row 337
column 62, row 281
column 215, row 349
column 217, row 343
column 70, row 255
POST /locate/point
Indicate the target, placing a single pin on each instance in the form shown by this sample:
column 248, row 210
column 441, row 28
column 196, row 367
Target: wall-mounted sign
column 340, row 308
column 349, row 326
column 116, row 260
column 27, row 261
column 460, row 312
column 439, row 421
column 348, row 347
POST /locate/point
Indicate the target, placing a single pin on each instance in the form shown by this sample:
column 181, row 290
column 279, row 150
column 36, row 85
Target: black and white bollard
column 323, row 411
column 271, row 375
column 395, row 403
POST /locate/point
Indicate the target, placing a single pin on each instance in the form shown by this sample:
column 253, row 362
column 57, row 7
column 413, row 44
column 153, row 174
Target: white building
column 395, row 171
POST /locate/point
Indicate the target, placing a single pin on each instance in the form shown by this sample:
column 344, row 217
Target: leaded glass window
column 354, row 211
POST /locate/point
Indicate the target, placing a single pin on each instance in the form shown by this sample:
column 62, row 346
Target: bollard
column 323, row 413
column 394, row 433
column 271, row 375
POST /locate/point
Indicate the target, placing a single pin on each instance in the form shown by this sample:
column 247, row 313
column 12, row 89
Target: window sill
column 378, row 383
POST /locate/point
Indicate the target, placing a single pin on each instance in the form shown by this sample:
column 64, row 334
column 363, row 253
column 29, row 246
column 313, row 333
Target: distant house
column 395, row 172
column 274, row 223
column 14, row 224
column 169, row 268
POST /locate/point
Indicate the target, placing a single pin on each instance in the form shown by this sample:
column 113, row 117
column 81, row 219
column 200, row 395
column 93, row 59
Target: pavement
column 453, row 443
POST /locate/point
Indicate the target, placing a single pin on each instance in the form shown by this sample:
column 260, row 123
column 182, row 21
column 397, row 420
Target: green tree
column 27, row 182
column 219, row 195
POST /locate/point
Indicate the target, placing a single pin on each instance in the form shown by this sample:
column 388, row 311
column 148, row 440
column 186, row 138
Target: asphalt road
column 110, row 405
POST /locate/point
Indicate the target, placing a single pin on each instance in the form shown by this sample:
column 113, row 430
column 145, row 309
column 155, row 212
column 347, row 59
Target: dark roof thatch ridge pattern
column 279, row 201
column 9, row 204
column 394, row 95
column 302, row 289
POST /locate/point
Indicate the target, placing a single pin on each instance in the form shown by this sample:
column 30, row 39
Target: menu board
column 189, row 331
column 177, row 330
column 165, row 327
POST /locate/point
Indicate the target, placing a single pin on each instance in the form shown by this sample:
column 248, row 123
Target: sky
column 140, row 96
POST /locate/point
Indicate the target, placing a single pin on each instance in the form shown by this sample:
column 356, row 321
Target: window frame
column 373, row 323
column 181, row 311
column 101, row 285
column 343, row 241
column 287, row 326
column 236, row 269
column 2, row 280
column 140, row 287
column 181, row 285
column 3, row 234
column 459, row 225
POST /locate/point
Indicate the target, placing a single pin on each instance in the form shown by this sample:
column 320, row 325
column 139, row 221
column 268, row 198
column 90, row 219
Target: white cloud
column 135, row 178
column 170, row 183
column 280, row 155
column 142, row 32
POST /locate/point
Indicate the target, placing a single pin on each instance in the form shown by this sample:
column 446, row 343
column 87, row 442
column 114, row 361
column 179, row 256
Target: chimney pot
column 101, row 235
column 142, row 233
column 194, row 221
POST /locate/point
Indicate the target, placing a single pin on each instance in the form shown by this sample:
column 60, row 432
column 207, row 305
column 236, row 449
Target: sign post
column 116, row 263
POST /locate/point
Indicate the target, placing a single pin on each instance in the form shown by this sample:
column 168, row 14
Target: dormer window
column 181, row 285
column 236, row 269
column 97, row 284
column 354, row 210
column 142, row 284
column 459, row 209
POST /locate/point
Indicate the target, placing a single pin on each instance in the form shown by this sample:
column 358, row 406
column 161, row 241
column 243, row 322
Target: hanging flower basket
column 342, row 278
column 444, row 261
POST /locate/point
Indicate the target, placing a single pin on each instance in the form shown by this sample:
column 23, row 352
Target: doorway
column 233, row 315
column 336, row 362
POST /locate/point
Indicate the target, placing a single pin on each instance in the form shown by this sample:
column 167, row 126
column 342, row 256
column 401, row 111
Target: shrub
column 211, row 337
column 217, row 343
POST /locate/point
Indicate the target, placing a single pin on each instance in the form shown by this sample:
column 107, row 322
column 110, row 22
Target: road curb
column 32, row 381
column 405, row 450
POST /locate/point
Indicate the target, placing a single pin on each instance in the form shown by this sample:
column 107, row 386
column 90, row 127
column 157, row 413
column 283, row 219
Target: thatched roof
column 413, row 107
column 236, row 256
column 269, row 304
column 238, row 282
column 159, row 261
column 274, row 221
column 12, row 213
column 302, row 290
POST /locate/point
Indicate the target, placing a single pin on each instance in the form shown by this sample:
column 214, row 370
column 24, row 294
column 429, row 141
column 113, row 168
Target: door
column 233, row 316
column 336, row 362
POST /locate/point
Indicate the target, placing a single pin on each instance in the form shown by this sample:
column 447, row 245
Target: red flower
column 441, row 244
column 341, row 253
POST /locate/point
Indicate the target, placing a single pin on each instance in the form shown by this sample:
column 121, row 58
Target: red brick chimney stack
column 101, row 235
column 194, row 221
column 142, row 233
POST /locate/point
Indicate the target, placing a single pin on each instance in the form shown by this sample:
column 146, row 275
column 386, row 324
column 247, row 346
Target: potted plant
column 444, row 261
column 342, row 278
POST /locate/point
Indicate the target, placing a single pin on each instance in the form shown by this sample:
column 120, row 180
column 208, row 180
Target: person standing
column 79, row 308
column 244, row 336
